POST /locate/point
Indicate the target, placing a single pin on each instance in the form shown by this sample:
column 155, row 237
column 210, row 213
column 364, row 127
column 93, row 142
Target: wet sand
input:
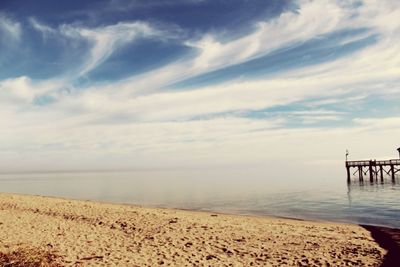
column 85, row 233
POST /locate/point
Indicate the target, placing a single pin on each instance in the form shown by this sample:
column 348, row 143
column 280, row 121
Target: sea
column 234, row 192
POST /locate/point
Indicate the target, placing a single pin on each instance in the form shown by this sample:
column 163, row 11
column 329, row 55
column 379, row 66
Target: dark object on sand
column 389, row 239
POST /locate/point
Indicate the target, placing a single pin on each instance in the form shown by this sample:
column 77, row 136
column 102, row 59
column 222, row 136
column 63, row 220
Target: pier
column 372, row 169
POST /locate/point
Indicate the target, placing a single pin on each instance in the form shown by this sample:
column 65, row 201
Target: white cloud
column 10, row 27
column 229, row 97
column 22, row 90
column 226, row 141
column 240, row 95
column 16, row 89
column 386, row 123
column 312, row 116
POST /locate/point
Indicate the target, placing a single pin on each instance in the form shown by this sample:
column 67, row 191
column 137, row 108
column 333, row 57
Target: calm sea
column 222, row 191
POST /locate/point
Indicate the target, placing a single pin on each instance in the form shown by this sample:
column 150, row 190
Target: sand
column 84, row 233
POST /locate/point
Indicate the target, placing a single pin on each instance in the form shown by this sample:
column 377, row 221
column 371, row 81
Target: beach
column 85, row 233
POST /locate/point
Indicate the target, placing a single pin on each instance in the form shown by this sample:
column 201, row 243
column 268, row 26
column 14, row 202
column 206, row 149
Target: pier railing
column 365, row 163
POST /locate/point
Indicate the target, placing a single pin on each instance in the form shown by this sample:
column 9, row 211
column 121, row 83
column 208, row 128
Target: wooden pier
column 373, row 168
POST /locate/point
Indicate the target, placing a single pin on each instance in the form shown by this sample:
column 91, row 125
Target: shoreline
column 102, row 233
column 166, row 207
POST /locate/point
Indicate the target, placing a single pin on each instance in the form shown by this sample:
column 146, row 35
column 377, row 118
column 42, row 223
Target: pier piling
column 348, row 174
column 371, row 172
column 392, row 171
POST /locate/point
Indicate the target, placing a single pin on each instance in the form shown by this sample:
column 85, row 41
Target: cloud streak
column 10, row 27
column 103, row 40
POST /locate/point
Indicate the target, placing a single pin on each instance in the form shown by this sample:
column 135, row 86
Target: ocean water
column 237, row 192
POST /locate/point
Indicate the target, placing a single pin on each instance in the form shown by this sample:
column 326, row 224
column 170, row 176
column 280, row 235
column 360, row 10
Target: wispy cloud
column 104, row 40
column 44, row 29
column 10, row 27
column 289, row 28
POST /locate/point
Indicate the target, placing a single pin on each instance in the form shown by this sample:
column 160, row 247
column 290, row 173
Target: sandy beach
column 84, row 233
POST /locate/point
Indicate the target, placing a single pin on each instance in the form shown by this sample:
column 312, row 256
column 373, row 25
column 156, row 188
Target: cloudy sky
column 137, row 84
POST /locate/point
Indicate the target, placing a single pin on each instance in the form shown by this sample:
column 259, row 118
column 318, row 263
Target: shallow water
column 224, row 191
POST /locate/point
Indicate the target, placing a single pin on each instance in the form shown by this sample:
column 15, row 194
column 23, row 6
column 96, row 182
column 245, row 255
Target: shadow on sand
column 389, row 239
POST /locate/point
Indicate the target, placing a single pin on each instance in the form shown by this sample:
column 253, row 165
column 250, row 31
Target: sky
column 198, row 84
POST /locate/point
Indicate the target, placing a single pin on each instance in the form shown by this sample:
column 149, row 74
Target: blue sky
column 125, row 84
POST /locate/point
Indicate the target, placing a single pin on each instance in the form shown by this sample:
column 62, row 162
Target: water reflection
column 376, row 183
column 368, row 186
column 375, row 202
